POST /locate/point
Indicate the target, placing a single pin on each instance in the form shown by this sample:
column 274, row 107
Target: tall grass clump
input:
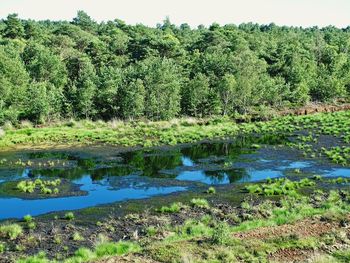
column 11, row 231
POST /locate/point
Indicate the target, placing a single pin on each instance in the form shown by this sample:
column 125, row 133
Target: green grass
column 11, row 231
column 280, row 186
column 199, row 202
column 69, row 216
column 211, row 190
column 173, row 208
column 173, row 132
column 86, row 255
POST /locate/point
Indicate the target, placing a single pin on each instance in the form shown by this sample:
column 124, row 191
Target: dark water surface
column 113, row 177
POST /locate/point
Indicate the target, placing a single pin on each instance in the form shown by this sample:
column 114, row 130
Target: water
column 109, row 177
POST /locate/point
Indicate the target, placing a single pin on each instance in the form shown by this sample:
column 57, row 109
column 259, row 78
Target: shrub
column 11, row 231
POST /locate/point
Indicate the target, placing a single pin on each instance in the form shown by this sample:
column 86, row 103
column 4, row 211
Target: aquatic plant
column 30, row 186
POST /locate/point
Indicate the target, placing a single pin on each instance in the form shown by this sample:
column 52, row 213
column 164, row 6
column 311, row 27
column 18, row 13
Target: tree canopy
column 84, row 69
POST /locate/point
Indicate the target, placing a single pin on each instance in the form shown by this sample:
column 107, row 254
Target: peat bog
column 155, row 200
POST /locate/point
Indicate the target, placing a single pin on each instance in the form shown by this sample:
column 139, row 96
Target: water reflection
column 97, row 194
column 141, row 174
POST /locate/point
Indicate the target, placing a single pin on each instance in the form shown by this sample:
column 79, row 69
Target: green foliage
column 221, row 234
column 173, row 208
column 109, row 70
column 31, row 186
column 11, row 231
column 280, row 186
column 77, row 237
column 211, row 190
column 27, row 218
column 69, row 216
column 113, row 249
column 198, row 202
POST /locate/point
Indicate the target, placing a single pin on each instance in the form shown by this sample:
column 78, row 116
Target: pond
column 111, row 176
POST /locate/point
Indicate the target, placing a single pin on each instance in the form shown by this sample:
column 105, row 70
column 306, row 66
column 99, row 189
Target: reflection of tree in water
column 152, row 164
column 233, row 175
column 205, row 150
column 51, row 155
column 99, row 174
column 72, row 174
column 231, row 150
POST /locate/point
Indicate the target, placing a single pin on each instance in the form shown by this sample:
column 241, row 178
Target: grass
column 199, row 202
column 173, row 208
column 210, row 238
column 69, row 216
column 86, row 255
column 211, row 190
column 171, row 132
column 280, row 186
column 11, row 231
column 30, row 186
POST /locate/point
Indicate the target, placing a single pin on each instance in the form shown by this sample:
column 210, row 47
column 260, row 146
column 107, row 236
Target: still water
column 143, row 174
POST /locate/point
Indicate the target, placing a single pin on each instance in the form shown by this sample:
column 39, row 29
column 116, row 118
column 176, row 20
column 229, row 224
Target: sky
column 303, row 13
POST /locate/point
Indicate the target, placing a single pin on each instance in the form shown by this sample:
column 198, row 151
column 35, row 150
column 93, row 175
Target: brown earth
column 315, row 108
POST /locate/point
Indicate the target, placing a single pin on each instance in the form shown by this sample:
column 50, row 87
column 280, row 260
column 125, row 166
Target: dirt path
column 302, row 229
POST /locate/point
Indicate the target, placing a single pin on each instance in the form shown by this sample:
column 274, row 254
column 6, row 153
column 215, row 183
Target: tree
column 14, row 27
column 162, row 81
column 110, row 81
column 195, row 95
column 133, row 103
column 228, row 93
column 37, row 104
column 13, row 84
column 84, row 21
column 81, row 87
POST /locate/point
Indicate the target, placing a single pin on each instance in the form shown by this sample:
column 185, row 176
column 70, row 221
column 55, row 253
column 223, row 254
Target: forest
column 54, row 70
